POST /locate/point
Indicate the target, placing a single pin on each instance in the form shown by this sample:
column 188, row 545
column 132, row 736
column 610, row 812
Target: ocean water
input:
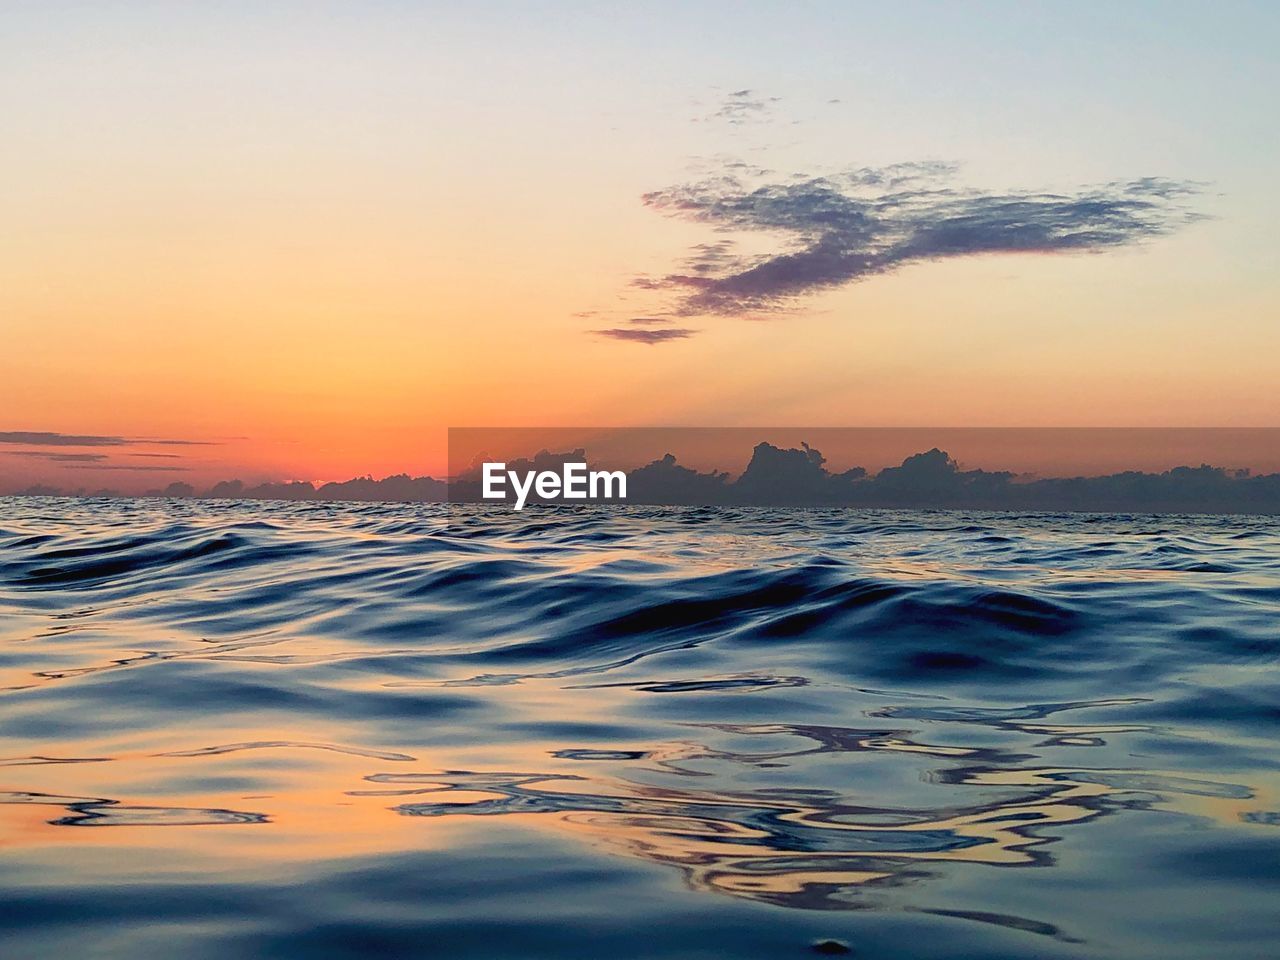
column 339, row 730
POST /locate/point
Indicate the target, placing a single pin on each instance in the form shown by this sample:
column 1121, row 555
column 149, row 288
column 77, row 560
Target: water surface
column 341, row 730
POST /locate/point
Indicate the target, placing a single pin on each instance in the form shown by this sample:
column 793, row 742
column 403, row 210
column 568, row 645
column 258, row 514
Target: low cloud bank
column 798, row 477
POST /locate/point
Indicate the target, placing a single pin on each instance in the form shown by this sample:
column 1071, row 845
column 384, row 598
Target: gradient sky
column 313, row 236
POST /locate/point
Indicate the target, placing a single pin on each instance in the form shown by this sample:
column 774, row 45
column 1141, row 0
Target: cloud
column 96, row 461
column 649, row 283
column 40, row 438
column 648, row 320
column 127, row 467
column 705, row 259
column 44, row 438
column 743, row 106
column 650, row 337
column 59, row 457
column 839, row 229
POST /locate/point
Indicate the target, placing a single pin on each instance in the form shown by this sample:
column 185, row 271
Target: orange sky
column 318, row 243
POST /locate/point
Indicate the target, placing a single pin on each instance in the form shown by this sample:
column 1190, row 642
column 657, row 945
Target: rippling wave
column 411, row 730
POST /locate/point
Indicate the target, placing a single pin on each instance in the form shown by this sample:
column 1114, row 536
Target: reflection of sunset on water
column 811, row 851
column 851, row 716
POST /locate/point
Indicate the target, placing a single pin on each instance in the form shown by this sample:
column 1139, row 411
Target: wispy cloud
column 839, row 229
column 58, row 457
column 41, row 438
column 650, row 337
column 743, row 106
column 44, row 438
column 127, row 467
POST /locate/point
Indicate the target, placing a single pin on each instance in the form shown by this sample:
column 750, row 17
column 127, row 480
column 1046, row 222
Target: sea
column 338, row 730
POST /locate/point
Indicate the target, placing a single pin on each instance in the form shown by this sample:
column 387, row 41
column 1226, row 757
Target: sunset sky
column 300, row 241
